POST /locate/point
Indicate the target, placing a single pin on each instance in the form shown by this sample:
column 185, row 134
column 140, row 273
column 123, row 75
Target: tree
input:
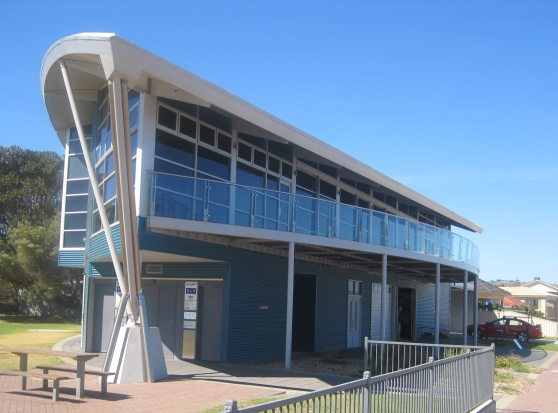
column 30, row 196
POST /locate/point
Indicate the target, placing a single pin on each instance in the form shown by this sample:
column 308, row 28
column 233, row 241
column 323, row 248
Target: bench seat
column 40, row 376
column 102, row 374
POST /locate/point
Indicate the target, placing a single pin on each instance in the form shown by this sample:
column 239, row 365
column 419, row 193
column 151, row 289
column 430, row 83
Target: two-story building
column 253, row 236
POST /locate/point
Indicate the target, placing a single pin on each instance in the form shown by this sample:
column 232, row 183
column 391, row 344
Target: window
column 104, row 156
column 77, row 187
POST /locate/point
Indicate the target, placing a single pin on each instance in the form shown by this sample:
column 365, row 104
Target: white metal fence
column 457, row 383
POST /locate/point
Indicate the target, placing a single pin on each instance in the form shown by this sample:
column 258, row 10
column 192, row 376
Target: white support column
column 118, row 97
column 476, row 309
column 465, row 306
column 290, row 291
column 437, row 307
column 93, row 179
column 384, row 310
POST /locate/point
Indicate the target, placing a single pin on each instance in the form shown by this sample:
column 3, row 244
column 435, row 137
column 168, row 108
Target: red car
column 508, row 327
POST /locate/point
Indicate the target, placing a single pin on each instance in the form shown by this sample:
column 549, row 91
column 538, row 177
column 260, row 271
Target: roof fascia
column 126, row 60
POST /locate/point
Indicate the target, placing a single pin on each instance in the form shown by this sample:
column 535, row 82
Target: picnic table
column 23, row 353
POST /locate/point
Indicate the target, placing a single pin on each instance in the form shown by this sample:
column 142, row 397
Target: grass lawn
column 33, row 332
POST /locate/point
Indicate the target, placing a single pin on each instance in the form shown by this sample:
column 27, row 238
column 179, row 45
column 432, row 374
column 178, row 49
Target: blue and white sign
column 191, row 296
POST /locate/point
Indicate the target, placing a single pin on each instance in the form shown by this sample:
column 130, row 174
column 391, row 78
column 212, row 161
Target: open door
column 406, row 313
column 304, row 312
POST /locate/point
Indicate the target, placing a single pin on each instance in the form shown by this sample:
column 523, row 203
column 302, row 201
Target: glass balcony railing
column 181, row 197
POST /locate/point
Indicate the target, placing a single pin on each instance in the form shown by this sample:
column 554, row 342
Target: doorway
column 354, row 314
column 406, row 313
column 304, row 312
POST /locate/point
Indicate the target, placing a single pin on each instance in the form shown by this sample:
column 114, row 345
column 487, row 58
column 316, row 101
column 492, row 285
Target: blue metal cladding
column 255, row 293
column 98, row 247
column 68, row 258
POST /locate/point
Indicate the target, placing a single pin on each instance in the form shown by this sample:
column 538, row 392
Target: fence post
column 366, row 355
column 366, row 397
column 231, row 406
column 431, row 385
column 469, row 375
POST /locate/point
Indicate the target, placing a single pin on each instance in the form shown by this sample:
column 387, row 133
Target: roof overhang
column 94, row 58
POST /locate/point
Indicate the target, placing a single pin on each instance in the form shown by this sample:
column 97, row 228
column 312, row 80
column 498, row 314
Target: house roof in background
column 527, row 292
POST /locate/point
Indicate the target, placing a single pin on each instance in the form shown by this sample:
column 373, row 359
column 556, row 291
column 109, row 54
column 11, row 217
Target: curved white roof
column 93, row 58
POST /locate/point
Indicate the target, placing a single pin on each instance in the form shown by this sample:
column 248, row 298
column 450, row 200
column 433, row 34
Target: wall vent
column 154, row 268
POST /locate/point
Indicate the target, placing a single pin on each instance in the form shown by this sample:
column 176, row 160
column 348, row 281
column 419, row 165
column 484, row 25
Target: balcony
column 204, row 200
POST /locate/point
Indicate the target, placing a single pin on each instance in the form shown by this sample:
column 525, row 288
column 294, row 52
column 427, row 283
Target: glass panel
column 287, row 170
column 111, row 212
column 167, row 118
column 224, row 143
column 348, row 222
column 110, row 188
column 134, row 143
column 170, row 168
column 174, row 149
column 306, row 181
column 134, row 116
column 76, row 203
column 96, row 222
column 245, row 175
column 110, row 164
column 75, row 221
column 244, row 152
column 133, row 97
column 274, row 164
column 207, row 135
column 213, row 163
column 75, row 147
column 74, row 239
column 260, row 158
column 76, row 167
column 77, row 187
column 328, row 190
column 272, row 182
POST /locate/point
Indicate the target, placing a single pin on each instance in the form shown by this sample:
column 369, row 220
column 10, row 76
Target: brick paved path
column 541, row 398
column 173, row 395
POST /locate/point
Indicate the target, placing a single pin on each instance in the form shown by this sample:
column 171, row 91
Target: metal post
column 290, row 290
column 465, row 307
column 431, row 384
column 367, row 392
column 437, row 311
column 383, row 312
column 476, row 308
column 231, row 406
column 366, row 354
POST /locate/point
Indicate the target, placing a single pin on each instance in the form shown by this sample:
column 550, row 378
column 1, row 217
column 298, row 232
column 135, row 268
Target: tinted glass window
column 75, row 221
column 167, row 118
column 207, row 135
column 76, row 167
column 175, row 149
column 244, row 152
column 224, row 143
column 76, row 203
column 212, row 163
column 188, row 127
column 245, row 175
column 77, row 187
column 74, row 239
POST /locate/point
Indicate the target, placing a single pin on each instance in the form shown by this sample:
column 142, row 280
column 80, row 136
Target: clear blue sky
column 455, row 99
